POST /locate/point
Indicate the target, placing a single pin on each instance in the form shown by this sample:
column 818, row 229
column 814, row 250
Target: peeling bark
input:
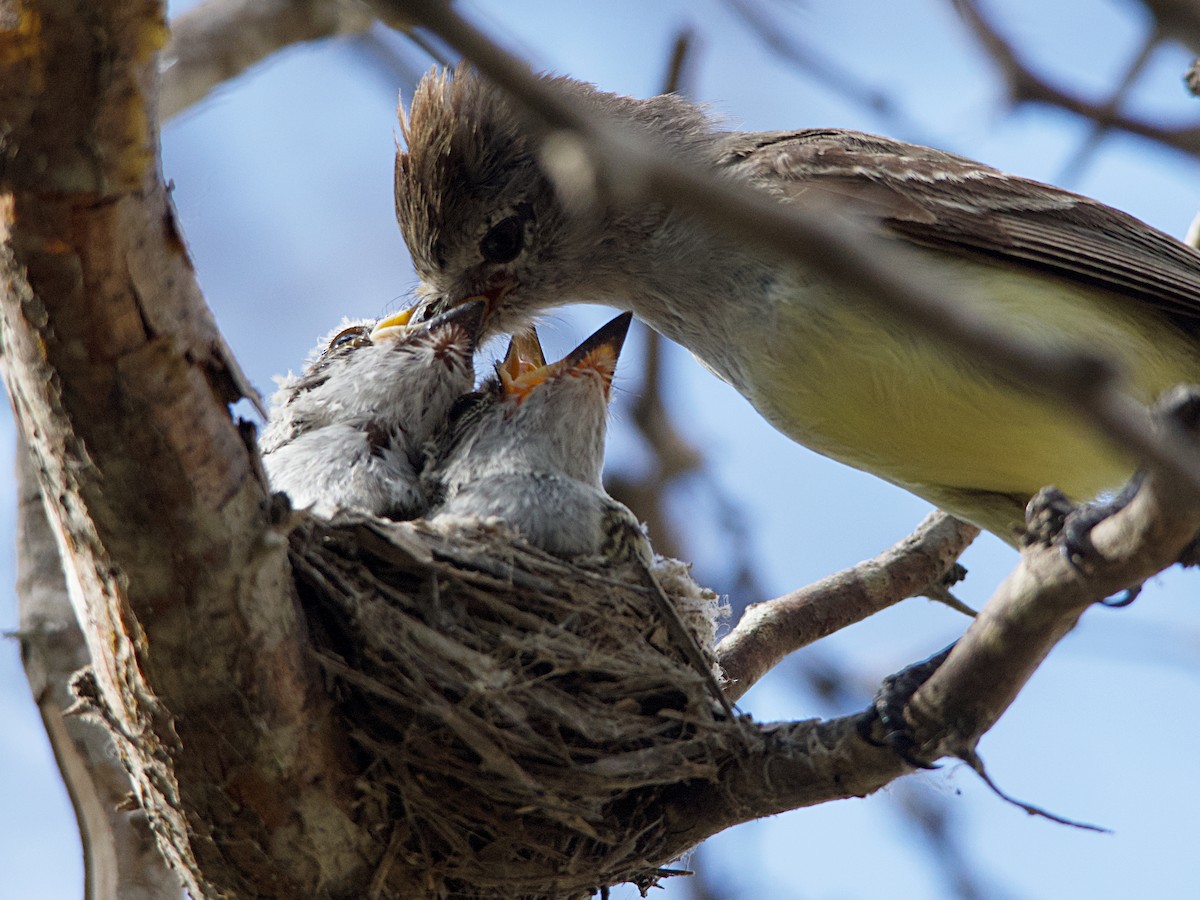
column 121, row 385
column 120, row 858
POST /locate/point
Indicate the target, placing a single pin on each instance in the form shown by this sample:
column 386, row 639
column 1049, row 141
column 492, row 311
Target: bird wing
column 954, row 204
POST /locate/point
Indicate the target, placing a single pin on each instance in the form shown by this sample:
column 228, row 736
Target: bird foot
column 1054, row 520
column 888, row 707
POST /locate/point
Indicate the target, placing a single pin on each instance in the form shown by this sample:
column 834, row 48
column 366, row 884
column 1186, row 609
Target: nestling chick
column 351, row 431
column 529, row 448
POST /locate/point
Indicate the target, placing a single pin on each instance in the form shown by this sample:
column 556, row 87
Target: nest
column 518, row 718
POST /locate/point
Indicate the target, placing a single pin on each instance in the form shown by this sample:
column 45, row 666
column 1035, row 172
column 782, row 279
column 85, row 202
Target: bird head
column 538, row 416
column 482, row 217
column 399, row 376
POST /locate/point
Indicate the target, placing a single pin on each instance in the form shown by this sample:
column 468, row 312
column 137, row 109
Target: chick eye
column 504, row 241
column 347, row 337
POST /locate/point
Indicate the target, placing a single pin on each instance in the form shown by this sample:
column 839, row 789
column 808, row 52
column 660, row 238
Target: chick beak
column 600, row 351
column 467, row 316
column 596, row 354
column 524, row 355
column 524, row 365
column 393, row 325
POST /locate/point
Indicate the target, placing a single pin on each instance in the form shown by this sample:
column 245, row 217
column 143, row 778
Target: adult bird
column 481, row 217
column 351, row 431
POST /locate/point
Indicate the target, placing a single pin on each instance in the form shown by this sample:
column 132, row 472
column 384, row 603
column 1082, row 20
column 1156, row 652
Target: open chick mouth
column 524, row 367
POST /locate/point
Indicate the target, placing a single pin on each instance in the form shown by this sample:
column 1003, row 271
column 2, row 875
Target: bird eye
column 347, row 336
column 504, row 241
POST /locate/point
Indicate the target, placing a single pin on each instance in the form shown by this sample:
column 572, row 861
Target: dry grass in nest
column 518, row 718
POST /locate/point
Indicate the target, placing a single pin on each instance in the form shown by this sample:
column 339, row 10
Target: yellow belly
column 862, row 390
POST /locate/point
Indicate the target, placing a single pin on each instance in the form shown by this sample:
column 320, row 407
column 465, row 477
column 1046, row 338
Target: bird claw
column 1077, row 543
column 1052, row 519
column 1046, row 517
column 888, row 710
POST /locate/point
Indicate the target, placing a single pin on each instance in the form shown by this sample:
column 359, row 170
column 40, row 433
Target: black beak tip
column 611, row 334
column 468, row 316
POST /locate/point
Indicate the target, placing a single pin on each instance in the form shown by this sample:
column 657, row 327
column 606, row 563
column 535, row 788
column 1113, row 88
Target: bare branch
column 803, row 763
column 1042, row 600
column 220, row 39
column 767, row 632
column 1026, row 86
column 679, row 62
column 1176, row 20
column 1097, row 131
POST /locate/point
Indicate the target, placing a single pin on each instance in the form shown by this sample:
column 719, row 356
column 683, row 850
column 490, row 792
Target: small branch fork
column 1026, row 86
column 767, row 632
column 1033, row 609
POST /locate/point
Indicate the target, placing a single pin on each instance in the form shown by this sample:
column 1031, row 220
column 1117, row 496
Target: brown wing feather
column 951, row 203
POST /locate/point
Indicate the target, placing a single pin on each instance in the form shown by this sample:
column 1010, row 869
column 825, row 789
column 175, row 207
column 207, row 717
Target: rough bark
column 121, row 384
column 120, row 858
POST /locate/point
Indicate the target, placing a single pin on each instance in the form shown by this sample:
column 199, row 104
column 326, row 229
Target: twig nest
column 517, row 717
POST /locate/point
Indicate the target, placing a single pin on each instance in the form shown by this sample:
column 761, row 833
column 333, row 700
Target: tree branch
column 803, row 763
column 1042, row 600
column 1176, row 20
column 767, row 632
column 121, row 861
column 825, row 70
column 220, row 39
column 203, row 665
column 1026, row 86
column 120, row 383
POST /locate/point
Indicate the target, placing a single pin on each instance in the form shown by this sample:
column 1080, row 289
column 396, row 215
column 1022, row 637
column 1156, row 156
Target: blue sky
column 283, row 184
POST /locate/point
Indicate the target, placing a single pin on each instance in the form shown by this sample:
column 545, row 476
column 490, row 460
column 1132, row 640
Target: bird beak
column 524, row 355
column 497, row 291
column 467, row 315
column 518, row 376
column 600, row 351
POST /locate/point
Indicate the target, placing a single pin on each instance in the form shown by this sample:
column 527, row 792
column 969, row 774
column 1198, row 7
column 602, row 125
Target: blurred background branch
column 220, row 39
column 1025, row 85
